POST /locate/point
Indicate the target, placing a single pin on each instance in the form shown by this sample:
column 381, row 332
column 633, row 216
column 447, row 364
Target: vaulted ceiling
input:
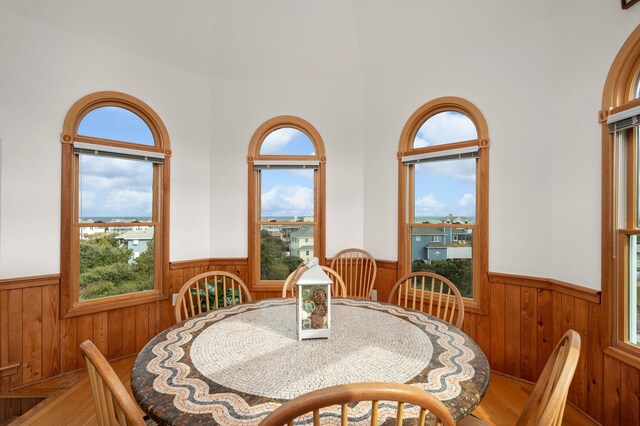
column 328, row 39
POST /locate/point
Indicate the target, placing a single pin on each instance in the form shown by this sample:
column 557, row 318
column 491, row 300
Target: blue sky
column 445, row 187
column 115, row 187
column 445, row 127
column 112, row 187
column 287, row 192
column 287, row 141
column 117, row 124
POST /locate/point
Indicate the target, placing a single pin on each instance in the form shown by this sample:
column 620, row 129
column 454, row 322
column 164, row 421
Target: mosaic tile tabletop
column 234, row 366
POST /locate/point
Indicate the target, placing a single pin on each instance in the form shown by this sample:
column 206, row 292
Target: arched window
column 620, row 118
column 115, row 195
column 286, row 199
column 443, row 163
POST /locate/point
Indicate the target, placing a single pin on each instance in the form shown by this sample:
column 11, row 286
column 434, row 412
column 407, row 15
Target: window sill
column 624, row 352
column 114, row 302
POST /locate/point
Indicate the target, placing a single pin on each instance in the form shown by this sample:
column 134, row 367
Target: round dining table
column 234, row 366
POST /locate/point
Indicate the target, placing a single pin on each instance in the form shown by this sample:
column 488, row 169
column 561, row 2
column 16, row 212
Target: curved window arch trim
column 280, row 122
column 114, row 99
column 69, row 251
column 436, row 106
column 254, row 218
column 406, row 184
column 619, row 94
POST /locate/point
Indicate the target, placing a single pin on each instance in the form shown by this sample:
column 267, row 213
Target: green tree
column 458, row 271
column 102, row 250
column 145, row 263
column 274, row 265
column 105, row 268
column 292, row 262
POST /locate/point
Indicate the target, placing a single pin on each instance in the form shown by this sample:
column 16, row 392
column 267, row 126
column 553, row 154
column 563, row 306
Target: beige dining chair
column 430, row 293
column 375, row 392
column 546, row 404
column 338, row 288
column 209, row 291
column 358, row 270
column 114, row 405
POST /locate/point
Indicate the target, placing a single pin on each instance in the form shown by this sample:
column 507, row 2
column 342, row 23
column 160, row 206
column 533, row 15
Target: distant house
column 85, row 231
column 288, row 230
column 302, row 242
column 440, row 243
column 136, row 240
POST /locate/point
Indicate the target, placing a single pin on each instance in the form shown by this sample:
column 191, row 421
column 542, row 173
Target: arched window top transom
column 443, row 128
column 116, row 123
column 287, row 136
column 287, row 141
column 443, row 123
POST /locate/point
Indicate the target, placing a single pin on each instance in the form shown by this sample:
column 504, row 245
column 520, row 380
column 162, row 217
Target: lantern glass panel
column 315, row 309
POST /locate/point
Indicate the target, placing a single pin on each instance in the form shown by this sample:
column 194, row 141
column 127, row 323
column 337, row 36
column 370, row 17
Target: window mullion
column 632, row 179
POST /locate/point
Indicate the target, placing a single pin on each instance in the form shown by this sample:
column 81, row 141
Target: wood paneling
column 10, row 408
column 527, row 316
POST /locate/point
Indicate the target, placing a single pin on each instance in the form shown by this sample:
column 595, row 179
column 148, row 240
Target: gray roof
column 427, row 231
column 435, row 244
column 303, row 232
column 146, row 234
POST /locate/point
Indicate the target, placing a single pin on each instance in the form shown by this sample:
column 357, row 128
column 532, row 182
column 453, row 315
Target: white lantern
column 314, row 302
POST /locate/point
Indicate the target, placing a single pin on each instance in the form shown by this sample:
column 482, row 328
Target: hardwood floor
column 71, row 401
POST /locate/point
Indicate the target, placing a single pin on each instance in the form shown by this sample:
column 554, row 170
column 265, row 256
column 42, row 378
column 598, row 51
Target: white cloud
column 445, row 127
column 287, row 201
column 428, row 205
column 467, row 200
column 459, row 170
column 115, row 187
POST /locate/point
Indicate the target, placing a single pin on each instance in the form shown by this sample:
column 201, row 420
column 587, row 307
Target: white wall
column 44, row 70
column 334, row 108
column 499, row 60
column 586, row 41
column 535, row 69
column 524, row 65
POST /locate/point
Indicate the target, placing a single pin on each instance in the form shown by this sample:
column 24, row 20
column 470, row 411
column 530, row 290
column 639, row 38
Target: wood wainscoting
column 37, row 344
column 527, row 316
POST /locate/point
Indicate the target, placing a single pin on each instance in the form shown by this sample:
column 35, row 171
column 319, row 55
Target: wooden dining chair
column 342, row 395
column 358, row 270
column 338, row 289
column 209, row 291
column 114, row 405
column 430, row 293
column 546, row 404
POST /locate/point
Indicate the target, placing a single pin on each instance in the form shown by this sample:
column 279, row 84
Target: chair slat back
column 114, row 405
column 209, row 291
column 338, row 288
column 430, row 293
column 546, row 404
column 358, row 270
column 343, row 395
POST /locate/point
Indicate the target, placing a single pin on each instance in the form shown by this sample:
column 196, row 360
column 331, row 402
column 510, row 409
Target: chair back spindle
column 358, row 269
column 546, row 404
column 338, row 288
column 209, row 291
column 114, row 405
column 443, row 299
column 343, row 395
